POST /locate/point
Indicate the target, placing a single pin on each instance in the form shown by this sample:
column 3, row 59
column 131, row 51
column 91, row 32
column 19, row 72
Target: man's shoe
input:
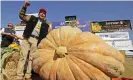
column 20, row 79
column 28, row 79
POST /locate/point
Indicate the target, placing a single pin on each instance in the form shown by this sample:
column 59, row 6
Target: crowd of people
column 36, row 29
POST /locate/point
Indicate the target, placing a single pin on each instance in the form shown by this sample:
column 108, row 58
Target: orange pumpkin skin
column 69, row 54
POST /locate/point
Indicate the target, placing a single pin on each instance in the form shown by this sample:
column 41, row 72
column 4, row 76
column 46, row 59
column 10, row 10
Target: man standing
column 7, row 35
column 36, row 29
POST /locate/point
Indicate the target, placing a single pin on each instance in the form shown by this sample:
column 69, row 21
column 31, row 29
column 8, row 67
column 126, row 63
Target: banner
column 110, row 26
column 114, row 35
column 83, row 25
column 58, row 24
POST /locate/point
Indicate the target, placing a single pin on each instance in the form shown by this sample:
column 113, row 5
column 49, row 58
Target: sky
column 57, row 10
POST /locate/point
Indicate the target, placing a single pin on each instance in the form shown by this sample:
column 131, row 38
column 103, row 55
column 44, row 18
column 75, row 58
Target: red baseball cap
column 42, row 10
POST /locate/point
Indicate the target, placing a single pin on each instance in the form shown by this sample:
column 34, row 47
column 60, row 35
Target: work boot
column 20, row 79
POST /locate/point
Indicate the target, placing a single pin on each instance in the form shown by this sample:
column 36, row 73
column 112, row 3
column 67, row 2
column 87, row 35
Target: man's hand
column 22, row 13
column 18, row 37
column 27, row 3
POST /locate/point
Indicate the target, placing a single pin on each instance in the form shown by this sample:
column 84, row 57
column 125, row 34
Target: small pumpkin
column 9, row 68
column 67, row 53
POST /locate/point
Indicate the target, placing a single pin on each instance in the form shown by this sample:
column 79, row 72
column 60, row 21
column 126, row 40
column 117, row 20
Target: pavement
column 128, row 67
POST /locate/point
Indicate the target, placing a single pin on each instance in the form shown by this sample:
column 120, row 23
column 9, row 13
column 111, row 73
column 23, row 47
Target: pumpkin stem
column 61, row 51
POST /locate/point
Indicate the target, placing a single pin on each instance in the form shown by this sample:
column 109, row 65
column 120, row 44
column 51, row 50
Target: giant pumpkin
column 67, row 53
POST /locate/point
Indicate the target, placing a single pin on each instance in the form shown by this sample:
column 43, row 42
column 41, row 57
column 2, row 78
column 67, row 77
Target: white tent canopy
column 35, row 14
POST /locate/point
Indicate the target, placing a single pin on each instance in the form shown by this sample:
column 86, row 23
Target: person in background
column 7, row 35
column 36, row 29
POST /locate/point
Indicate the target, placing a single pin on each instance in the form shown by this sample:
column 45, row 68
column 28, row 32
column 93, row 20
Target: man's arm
column 11, row 35
column 23, row 12
column 8, row 34
column 18, row 37
column 4, row 33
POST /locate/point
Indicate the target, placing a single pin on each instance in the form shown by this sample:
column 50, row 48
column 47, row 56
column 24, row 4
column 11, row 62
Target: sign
column 129, row 52
column 21, row 28
column 123, row 45
column 110, row 43
column 114, row 35
column 83, row 25
column 70, row 18
column 110, row 26
column 19, row 33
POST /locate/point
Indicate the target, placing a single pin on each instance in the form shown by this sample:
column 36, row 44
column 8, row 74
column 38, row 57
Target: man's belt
column 35, row 36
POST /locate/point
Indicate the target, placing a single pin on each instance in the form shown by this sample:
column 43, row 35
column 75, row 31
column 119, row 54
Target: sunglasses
column 10, row 25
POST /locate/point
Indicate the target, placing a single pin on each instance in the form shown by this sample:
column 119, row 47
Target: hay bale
column 10, row 66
